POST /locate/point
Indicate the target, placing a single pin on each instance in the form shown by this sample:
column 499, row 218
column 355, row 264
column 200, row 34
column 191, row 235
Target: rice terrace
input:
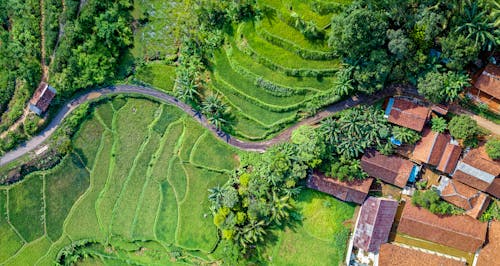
column 249, row 132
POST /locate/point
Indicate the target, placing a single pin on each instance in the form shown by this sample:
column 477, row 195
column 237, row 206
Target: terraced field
column 268, row 70
column 137, row 179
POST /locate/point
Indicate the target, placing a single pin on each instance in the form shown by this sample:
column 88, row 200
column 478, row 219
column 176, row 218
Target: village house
column 390, row 169
column 473, row 201
column 437, row 149
column 461, row 232
column 487, row 87
column 41, row 98
column 354, row 191
column 397, row 255
column 406, row 113
column 489, row 254
column 477, row 170
column 374, row 224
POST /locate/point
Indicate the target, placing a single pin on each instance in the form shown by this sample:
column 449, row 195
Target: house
column 399, row 254
column 460, row 232
column 473, row 201
column 355, row 191
column 42, row 98
column 390, row 169
column 477, row 170
column 489, row 254
column 437, row 149
column 406, row 113
column 450, row 157
column 487, row 87
column 374, row 224
column 430, row 148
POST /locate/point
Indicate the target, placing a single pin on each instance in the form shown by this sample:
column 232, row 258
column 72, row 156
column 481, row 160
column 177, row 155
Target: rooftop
column 390, row 169
column 463, row 196
column 477, row 170
column 460, row 231
column 450, row 157
column 355, row 191
column 431, row 147
column 375, row 222
column 406, row 113
column 41, row 98
column 489, row 81
column 489, row 255
column 397, row 255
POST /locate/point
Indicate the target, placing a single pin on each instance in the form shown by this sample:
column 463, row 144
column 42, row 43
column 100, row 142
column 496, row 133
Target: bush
column 463, row 127
column 431, row 201
column 438, row 124
column 493, row 148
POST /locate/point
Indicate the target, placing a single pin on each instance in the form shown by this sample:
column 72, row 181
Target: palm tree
column 405, row 135
column 216, row 195
column 186, row 87
column 279, row 208
column 251, row 233
column 478, row 26
column 329, row 129
column 215, row 110
column 343, row 84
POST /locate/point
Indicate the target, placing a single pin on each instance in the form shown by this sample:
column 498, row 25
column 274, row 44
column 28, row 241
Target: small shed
column 41, row 98
column 390, row 169
column 405, row 113
column 375, row 222
column 354, row 191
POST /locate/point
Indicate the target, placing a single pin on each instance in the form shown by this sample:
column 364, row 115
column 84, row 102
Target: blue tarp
column 413, row 174
column 389, row 106
column 395, row 141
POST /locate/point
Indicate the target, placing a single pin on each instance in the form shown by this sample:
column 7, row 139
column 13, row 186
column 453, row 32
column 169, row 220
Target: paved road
column 34, row 142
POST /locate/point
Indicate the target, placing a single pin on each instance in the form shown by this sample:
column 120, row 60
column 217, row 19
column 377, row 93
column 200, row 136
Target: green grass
column 277, row 54
column 11, row 242
column 177, row 179
column 158, row 75
column 192, row 132
column 85, row 144
column 319, row 239
column 216, row 157
column 26, row 207
column 30, row 253
column 64, row 186
column 105, row 112
column 301, row 7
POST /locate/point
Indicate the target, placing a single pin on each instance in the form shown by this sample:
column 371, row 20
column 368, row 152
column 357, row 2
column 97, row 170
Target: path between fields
column 162, row 96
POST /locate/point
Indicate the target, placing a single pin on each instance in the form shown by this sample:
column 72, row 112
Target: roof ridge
column 441, row 227
column 432, row 147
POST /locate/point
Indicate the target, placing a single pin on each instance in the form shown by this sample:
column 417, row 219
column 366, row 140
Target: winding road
column 34, row 142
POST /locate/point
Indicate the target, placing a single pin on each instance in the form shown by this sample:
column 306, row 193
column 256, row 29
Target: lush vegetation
column 430, row 199
column 493, row 148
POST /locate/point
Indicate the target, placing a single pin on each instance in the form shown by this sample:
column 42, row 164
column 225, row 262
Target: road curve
column 34, row 142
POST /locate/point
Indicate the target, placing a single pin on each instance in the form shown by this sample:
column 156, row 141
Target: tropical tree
column 478, row 26
column 215, row 110
column 405, row 135
column 493, row 148
column 439, row 124
column 463, row 127
column 216, row 196
column 343, row 84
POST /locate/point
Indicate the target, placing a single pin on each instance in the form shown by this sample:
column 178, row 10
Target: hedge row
column 325, row 8
column 294, row 72
column 292, row 47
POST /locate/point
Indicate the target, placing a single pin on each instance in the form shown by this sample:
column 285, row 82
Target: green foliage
column 405, row 135
column 459, row 50
column 309, row 144
column 430, row 200
column 439, row 124
column 344, row 169
column 463, row 127
column 215, row 110
column 491, row 213
column 493, row 148
column 442, row 87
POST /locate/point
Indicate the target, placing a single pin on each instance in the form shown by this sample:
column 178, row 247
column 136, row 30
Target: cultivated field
column 137, row 178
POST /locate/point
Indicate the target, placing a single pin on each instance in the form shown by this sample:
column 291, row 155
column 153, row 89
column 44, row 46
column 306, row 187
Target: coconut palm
column 215, row 110
column 216, row 196
column 343, row 84
column 279, row 208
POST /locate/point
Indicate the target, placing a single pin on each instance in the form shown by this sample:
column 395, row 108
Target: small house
column 473, row 201
column 461, row 232
column 487, row 87
column 374, row 223
column 450, row 157
column 479, row 171
column 354, row 191
column 406, row 113
column 41, row 98
column 489, row 254
column 390, row 169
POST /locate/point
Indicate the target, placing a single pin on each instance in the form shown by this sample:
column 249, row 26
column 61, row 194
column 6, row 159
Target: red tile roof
column 465, row 197
column 461, row 232
column 43, row 96
column 450, row 158
column 399, row 255
column 430, row 148
column 477, row 170
column 355, row 191
column 390, row 169
column 408, row 114
column 490, row 254
column 489, row 81
column 374, row 224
